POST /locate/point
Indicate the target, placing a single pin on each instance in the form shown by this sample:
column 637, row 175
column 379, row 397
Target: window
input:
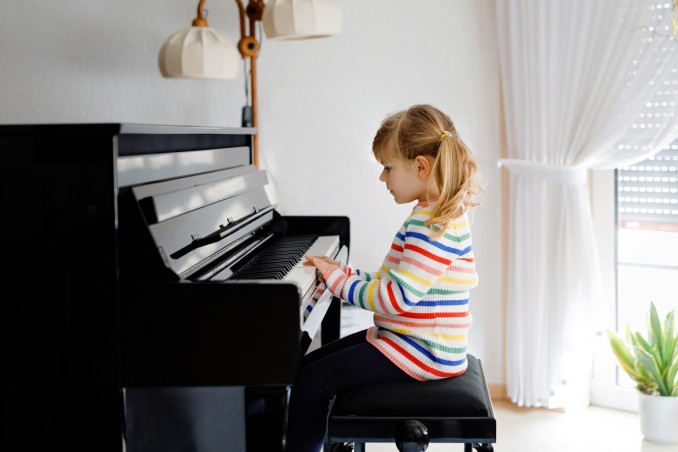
column 647, row 239
column 636, row 218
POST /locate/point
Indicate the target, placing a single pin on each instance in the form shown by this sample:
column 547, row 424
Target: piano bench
column 412, row 414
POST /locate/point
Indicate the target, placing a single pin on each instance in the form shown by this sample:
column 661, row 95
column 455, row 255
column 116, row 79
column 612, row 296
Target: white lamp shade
column 199, row 52
column 301, row 19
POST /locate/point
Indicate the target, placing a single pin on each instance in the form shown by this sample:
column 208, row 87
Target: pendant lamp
column 200, row 52
column 301, row 19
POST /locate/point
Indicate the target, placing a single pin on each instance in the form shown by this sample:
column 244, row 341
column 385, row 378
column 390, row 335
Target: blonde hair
column 425, row 130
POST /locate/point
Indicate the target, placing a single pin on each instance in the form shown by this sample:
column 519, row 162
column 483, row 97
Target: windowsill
column 614, row 397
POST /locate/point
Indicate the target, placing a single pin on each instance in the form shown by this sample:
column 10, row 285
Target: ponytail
column 455, row 172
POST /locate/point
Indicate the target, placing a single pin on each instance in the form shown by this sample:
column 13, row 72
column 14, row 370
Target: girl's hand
column 322, row 263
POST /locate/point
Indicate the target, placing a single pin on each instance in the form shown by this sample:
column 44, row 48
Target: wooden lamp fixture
column 204, row 53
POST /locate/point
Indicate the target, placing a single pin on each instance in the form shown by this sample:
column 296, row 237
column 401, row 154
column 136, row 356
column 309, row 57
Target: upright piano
column 159, row 299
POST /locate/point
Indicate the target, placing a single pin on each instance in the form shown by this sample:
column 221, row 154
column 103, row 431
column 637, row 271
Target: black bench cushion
column 461, row 396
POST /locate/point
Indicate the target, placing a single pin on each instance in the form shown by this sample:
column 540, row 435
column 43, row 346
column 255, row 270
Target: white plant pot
column 658, row 418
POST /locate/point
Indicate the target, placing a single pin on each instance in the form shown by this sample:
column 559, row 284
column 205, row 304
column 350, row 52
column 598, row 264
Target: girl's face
column 407, row 179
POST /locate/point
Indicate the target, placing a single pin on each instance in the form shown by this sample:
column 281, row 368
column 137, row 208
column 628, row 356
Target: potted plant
column 652, row 362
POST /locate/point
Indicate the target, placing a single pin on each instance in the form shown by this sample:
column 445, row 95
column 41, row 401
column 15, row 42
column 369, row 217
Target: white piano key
column 325, row 245
column 305, row 277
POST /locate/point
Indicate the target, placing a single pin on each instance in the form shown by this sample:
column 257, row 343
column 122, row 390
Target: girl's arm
column 420, row 265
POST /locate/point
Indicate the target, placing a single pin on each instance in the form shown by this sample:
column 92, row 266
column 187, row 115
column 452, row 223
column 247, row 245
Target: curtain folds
column 576, row 77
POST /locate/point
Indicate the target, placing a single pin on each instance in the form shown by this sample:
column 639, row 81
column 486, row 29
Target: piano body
column 161, row 294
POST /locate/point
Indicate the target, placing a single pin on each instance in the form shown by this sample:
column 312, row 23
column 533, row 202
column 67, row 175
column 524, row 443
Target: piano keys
column 151, row 257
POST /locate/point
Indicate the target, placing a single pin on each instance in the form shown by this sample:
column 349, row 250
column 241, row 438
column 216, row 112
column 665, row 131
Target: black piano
column 159, row 299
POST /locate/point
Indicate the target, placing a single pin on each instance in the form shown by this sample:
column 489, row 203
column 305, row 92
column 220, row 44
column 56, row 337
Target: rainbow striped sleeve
column 420, row 262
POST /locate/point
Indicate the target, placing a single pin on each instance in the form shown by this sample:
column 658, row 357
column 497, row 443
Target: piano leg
column 266, row 418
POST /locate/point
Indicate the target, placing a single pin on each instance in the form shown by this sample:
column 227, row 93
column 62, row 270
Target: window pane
column 647, row 241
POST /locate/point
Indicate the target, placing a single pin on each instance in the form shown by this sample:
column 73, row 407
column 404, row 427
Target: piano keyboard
column 284, row 260
column 276, row 260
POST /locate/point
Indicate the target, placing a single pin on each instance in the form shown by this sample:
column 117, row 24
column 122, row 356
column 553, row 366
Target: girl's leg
column 348, row 362
column 340, row 344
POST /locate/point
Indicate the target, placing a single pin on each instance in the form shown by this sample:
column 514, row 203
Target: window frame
column 605, row 391
column 610, row 387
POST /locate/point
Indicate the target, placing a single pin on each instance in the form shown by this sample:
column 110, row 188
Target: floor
column 541, row 430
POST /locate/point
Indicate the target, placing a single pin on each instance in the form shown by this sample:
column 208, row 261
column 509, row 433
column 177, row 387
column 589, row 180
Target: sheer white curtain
column 576, row 75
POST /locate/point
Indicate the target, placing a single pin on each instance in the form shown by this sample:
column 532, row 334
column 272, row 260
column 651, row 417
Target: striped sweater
column 420, row 296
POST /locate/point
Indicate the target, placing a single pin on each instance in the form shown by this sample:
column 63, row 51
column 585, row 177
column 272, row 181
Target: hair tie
column 445, row 135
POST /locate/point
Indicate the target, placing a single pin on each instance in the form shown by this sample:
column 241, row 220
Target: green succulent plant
column 652, row 361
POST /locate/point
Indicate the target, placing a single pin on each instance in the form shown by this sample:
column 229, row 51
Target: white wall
column 320, row 103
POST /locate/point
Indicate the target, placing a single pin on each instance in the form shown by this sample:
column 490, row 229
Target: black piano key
column 277, row 259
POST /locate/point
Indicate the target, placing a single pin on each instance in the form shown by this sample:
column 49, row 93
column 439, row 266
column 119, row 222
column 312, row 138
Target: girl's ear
column 424, row 166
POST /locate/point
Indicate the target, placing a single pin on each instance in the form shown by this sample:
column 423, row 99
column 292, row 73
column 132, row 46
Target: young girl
column 419, row 296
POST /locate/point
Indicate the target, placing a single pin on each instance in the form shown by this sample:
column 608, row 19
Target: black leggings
column 348, row 362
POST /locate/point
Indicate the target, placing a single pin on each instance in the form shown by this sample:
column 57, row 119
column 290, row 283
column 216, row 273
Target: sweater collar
column 425, row 203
